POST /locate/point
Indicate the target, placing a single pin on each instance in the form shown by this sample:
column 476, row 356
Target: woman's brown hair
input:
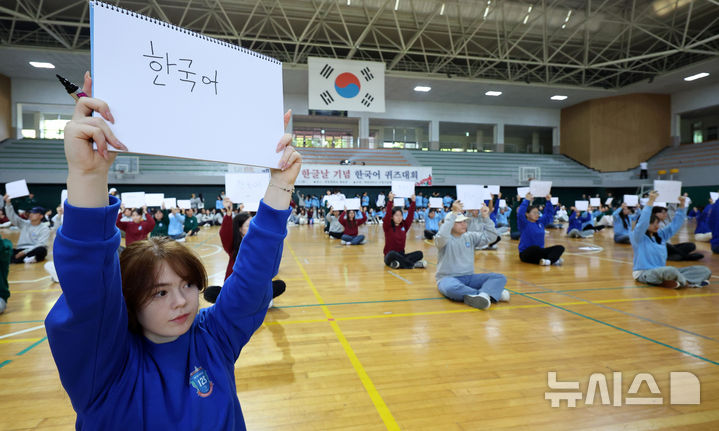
column 139, row 266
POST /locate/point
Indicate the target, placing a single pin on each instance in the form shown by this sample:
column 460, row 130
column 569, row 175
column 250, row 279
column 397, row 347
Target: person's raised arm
column 87, row 327
column 242, row 305
column 679, row 217
column 11, row 214
column 363, row 220
column 643, row 223
column 410, row 212
column 226, row 235
column 445, row 230
column 387, row 222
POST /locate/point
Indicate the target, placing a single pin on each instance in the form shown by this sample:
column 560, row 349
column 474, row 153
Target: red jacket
column 396, row 236
column 226, row 236
column 135, row 231
column 351, row 228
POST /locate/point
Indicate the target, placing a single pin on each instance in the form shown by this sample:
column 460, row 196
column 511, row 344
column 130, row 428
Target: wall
column 697, row 97
column 616, row 133
column 6, row 125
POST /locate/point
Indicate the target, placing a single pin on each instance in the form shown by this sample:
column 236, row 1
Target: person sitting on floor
column 455, row 275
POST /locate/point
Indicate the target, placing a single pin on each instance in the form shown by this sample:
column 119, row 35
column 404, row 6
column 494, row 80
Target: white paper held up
column 540, row 189
column 631, row 200
column 581, row 205
column 17, row 189
column 669, row 191
column 402, row 189
column 133, row 199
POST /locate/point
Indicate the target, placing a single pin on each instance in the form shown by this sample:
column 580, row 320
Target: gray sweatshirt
column 30, row 236
column 335, row 225
column 456, row 253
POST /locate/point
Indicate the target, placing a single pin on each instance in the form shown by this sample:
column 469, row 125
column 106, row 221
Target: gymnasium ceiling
column 584, row 46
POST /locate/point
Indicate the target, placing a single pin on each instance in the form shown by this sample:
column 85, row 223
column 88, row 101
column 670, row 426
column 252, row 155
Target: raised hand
column 457, row 206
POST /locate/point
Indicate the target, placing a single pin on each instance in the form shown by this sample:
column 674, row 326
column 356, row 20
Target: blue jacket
column 577, row 223
column 118, row 380
column 619, row 229
column 432, row 223
column 703, row 220
column 714, row 224
column 447, row 201
column 532, row 233
column 365, row 201
column 177, row 224
column 648, row 253
column 503, row 218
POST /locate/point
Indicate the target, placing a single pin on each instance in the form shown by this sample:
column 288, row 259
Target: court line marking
column 34, row 328
column 35, row 291
column 32, row 346
column 19, row 340
column 3, row 363
column 359, row 302
column 400, row 277
column 21, row 321
column 369, row 386
column 611, row 325
column 28, row 281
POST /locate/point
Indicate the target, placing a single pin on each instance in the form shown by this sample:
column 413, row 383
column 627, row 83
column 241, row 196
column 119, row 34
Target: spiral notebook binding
column 186, row 31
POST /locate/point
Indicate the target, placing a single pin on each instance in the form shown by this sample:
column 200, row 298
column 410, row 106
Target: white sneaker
column 480, row 301
column 492, row 247
column 3, row 305
column 420, row 264
column 559, row 262
column 545, row 262
column 505, row 296
column 30, row 259
column 180, row 240
column 50, row 269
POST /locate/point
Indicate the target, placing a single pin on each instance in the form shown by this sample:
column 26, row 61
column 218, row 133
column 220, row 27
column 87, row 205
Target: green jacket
column 190, row 223
column 161, row 226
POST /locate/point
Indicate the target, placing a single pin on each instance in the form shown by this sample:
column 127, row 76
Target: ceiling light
column 441, row 10
column 348, row 2
column 41, row 65
column 396, row 4
column 558, row 97
column 697, row 76
column 526, row 18
column 422, row 88
column 466, row 133
column 493, row 93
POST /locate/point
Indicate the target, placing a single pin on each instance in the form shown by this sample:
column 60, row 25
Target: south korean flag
column 346, row 85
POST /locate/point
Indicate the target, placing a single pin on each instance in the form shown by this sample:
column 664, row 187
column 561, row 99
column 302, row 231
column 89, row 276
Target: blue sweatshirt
column 532, row 233
column 503, row 218
column 177, row 224
column 619, row 229
column 365, row 201
column 703, row 220
column 648, row 253
column 431, row 223
column 577, row 223
column 117, row 380
column 713, row 223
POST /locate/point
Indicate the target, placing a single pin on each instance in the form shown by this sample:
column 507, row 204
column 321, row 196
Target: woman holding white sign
column 531, row 225
column 395, row 237
column 132, row 349
column 650, row 251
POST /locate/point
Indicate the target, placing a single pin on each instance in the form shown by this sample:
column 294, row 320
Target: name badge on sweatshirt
column 139, row 228
column 468, row 245
column 201, row 382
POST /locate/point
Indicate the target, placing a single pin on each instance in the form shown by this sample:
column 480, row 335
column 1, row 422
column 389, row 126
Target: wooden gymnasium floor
column 353, row 345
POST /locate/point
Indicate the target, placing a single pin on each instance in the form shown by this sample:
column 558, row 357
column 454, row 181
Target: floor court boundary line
column 400, row 277
column 379, row 404
column 609, row 324
column 34, row 328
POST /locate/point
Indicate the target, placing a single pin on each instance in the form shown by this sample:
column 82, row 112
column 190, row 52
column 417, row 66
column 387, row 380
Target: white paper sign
column 669, row 191
column 435, row 203
column 660, row 204
column 184, row 204
column 581, row 205
column 643, row 201
column 216, row 90
column 595, row 202
column 402, row 189
column 154, row 199
column 540, row 188
column 522, row 191
column 714, row 196
column 609, row 201
column 380, row 201
column 63, row 198
column 170, row 203
column 246, row 187
column 353, row 204
column 251, row 207
column 336, row 202
column 17, row 189
column 503, row 203
column 400, row 202
column 133, row 199
column 555, row 201
column 631, row 200
column 494, row 190
column 472, row 196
